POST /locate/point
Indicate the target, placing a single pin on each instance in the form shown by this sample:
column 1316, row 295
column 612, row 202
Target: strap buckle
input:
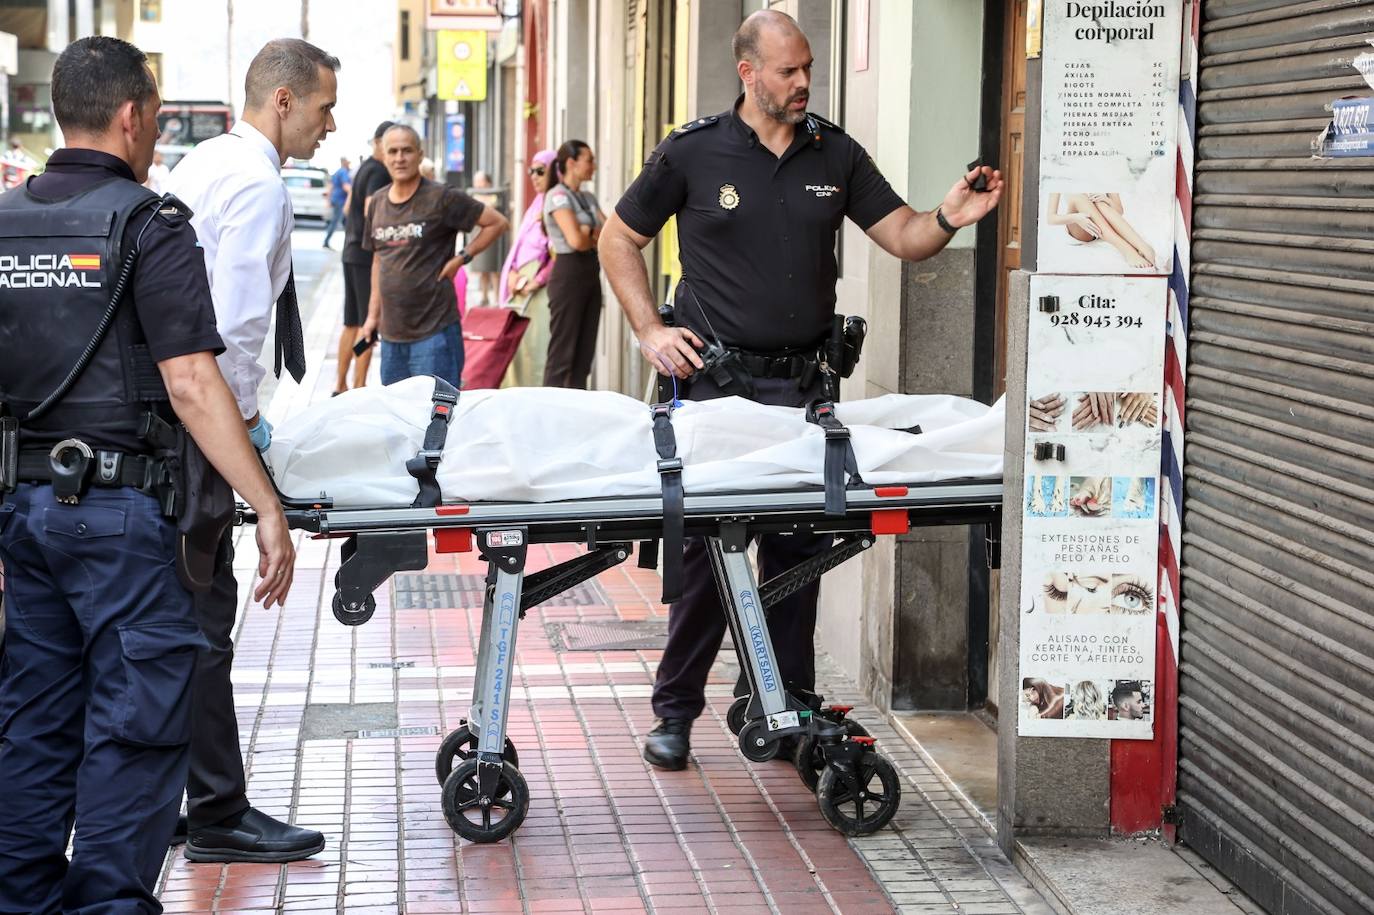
column 661, row 410
column 670, row 465
column 430, row 457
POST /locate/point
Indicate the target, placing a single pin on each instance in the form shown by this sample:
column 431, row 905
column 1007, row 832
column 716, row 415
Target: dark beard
column 780, row 113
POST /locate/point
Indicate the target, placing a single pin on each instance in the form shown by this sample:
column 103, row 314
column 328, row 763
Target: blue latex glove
column 261, row 435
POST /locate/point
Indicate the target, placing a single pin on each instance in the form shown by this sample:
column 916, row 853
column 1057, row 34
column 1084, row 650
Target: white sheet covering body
column 548, row 444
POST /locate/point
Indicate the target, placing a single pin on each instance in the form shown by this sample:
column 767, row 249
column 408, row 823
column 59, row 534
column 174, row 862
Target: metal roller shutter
column 1276, row 716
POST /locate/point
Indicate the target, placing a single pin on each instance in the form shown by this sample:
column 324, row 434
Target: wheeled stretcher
column 485, row 798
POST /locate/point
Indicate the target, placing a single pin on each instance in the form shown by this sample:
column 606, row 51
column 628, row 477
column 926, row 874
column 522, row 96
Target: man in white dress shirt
column 243, row 220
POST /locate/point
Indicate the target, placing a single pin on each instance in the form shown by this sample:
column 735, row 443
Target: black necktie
column 290, row 339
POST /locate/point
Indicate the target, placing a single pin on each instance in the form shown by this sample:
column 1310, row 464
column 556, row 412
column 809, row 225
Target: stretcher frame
column 380, row 541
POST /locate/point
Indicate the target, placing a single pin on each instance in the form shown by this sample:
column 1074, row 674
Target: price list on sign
column 1109, row 136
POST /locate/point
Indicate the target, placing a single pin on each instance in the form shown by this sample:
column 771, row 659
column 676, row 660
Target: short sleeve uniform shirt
column 756, row 231
column 413, row 240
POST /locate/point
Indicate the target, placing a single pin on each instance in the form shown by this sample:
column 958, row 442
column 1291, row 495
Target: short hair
column 414, row 134
column 93, row 78
column 287, row 62
column 382, row 128
column 1124, row 689
column 745, row 44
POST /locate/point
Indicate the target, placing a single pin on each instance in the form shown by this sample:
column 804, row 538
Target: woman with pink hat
column 524, row 276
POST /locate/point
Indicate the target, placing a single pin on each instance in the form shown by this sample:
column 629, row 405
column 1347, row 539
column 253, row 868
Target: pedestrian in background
column 243, row 219
column 157, row 175
column 524, row 279
column 357, row 264
column 339, row 183
column 412, row 227
column 95, row 688
column 486, row 266
column 573, row 221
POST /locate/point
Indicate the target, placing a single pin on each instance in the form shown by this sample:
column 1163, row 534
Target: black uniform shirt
column 757, row 232
column 169, row 290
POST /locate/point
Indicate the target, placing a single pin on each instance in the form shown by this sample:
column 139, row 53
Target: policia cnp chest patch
column 729, row 197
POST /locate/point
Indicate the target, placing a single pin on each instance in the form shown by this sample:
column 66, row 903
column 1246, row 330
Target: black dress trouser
column 574, row 316
column 696, row 623
column 216, row 788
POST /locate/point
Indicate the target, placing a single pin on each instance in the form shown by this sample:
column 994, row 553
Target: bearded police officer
column 95, row 704
column 759, row 193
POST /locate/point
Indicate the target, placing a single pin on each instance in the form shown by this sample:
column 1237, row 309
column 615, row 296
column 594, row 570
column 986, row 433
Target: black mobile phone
column 980, row 184
column 361, row 346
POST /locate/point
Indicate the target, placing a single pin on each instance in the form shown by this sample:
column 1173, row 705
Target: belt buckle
column 68, row 480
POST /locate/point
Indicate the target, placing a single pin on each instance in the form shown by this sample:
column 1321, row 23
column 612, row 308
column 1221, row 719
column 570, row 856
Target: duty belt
column 785, row 365
column 72, row 465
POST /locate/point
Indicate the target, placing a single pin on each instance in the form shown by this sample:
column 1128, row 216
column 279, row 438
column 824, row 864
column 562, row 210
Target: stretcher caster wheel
column 734, row 718
column 752, row 742
column 461, row 745
column 809, row 758
column 489, row 819
column 879, row 795
column 354, row 617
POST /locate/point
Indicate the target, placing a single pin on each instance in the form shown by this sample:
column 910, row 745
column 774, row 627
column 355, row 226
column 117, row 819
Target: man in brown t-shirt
column 412, row 227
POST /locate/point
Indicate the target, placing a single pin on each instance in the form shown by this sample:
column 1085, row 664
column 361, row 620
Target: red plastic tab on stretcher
column 451, row 509
column 864, row 741
column 453, row 540
column 890, row 521
column 889, row 492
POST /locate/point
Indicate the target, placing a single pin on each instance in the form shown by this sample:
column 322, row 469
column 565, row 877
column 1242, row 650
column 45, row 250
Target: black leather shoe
column 668, row 744
column 179, row 835
column 256, row 837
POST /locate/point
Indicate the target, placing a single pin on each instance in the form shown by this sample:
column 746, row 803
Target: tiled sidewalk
column 605, row 831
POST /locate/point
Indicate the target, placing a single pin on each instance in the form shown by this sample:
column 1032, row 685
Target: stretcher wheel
column 752, row 742
column 809, row 757
column 461, row 745
column 879, row 795
column 498, row 817
column 735, row 718
column 354, row 617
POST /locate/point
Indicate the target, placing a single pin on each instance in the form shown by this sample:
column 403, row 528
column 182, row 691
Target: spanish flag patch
column 84, row 261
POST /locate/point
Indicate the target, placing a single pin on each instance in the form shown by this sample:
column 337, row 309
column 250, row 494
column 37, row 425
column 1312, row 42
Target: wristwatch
column 467, row 258
column 944, row 223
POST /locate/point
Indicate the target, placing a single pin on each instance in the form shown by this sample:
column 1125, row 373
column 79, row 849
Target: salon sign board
column 1109, row 136
column 1090, row 506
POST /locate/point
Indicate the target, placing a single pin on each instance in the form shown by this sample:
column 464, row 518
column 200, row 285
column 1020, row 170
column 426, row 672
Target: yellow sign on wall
column 462, row 66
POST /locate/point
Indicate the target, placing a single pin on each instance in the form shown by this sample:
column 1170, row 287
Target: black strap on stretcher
column 670, row 473
column 425, row 464
column 839, row 457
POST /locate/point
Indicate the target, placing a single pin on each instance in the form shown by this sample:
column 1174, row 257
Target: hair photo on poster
column 1041, row 699
column 1090, row 497
column 1130, row 700
column 1099, row 220
column 1087, row 700
column 1047, row 497
column 1133, row 497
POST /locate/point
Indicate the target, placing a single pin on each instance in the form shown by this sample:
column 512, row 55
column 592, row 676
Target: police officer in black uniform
column 759, row 193
column 101, row 643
